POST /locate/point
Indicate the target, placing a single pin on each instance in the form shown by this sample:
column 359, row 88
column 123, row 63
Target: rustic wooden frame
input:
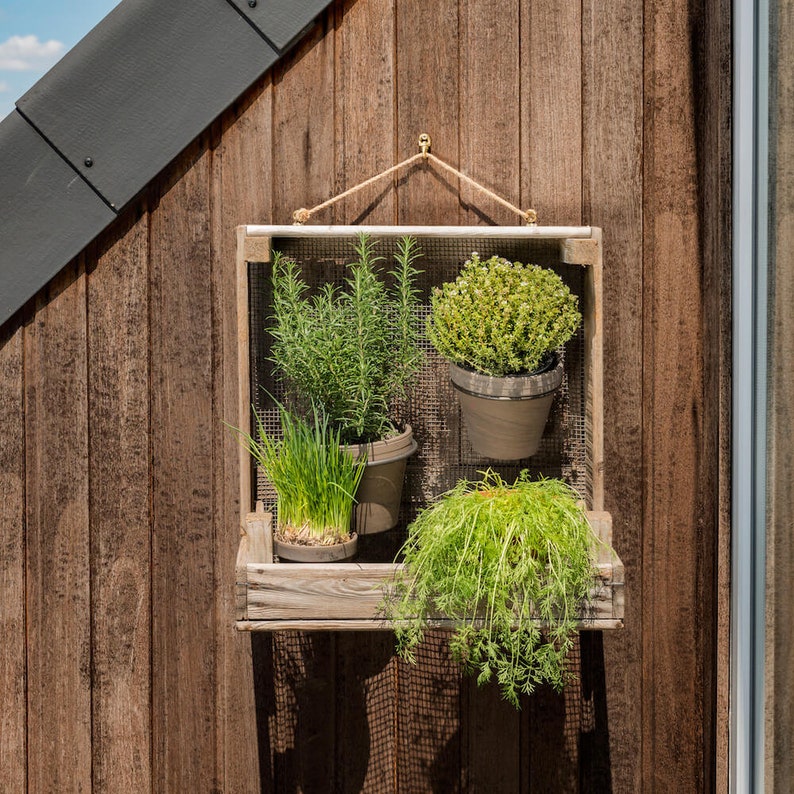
column 272, row 596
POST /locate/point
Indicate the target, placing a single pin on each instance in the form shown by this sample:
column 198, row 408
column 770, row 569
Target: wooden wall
column 121, row 669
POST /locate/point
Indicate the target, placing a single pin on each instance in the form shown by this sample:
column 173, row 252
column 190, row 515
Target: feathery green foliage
column 501, row 317
column 315, row 479
column 350, row 350
column 502, row 554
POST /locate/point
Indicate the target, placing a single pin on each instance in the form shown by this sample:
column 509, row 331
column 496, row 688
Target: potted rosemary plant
column 352, row 350
column 512, row 565
column 500, row 324
column 315, row 481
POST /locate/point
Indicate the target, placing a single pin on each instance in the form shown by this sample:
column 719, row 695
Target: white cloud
column 27, row 53
column 4, row 87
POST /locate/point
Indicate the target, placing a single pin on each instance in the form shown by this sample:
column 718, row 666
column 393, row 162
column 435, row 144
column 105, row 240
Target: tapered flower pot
column 505, row 417
column 380, row 492
column 296, row 552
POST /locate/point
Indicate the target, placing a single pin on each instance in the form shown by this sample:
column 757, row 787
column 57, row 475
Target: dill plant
column 512, row 565
column 352, row 349
column 314, row 477
column 500, row 317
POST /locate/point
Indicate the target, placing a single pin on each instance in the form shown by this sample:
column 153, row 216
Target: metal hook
column 424, row 144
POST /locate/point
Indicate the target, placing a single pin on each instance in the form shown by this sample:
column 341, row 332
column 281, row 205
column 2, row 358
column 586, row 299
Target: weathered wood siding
column 121, row 669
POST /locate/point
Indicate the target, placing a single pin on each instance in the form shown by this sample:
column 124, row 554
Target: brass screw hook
column 424, row 144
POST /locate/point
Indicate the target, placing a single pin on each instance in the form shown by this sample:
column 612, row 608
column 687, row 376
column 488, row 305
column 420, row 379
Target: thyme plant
column 496, row 557
column 353, row 349
column 315, row 479
column 501, row 317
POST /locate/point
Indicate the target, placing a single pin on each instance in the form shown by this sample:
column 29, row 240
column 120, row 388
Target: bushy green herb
column 314, row 478
column 351, row 350
column 501, row 317
column 501, row 554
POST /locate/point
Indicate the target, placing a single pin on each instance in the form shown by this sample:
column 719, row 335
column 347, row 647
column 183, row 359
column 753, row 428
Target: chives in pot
column 315, row 481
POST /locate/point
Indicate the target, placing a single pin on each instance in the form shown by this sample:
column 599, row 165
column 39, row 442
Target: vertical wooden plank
column 490, row 739
column 551, row 183
column 303, row 126
column 365, row 115
column 58, row 579
column 366, row 674
column 118, row 389
column 241, row 183
column 490, row 109
column 13, row 721
column 304, row 163
column 427, row 101
column 551, row 109
column 429, row 705
column 183, row 580
column 490, row 153
column 779, row 697
column 366, row 145
column 713, row 126
column 612, row 106
column 677, row 600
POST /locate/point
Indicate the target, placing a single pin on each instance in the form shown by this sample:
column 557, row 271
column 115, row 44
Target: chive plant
column 512, row 565
column 314, row 477
column 351, row 349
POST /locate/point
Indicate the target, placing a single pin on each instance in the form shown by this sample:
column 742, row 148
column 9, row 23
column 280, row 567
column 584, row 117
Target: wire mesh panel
column 444, row 454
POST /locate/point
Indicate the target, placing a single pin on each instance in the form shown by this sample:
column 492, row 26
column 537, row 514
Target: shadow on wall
column 339, row 712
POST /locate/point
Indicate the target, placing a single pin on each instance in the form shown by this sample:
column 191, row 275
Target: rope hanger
column 302, row 215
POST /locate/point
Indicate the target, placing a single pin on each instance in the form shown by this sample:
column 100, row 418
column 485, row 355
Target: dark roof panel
column 141, row 85
column 47, row 213
column 281, row 21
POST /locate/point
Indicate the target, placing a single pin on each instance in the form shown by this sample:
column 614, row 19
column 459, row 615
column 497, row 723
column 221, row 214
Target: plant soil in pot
column 497, row 324
column 505, row 417
column 380, row 492
column 315, row 480
column 291, row 546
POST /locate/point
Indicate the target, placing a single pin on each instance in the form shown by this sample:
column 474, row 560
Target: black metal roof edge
column 126, row 100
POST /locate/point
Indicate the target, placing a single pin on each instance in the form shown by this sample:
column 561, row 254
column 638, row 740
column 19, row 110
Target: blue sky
column 35, row 34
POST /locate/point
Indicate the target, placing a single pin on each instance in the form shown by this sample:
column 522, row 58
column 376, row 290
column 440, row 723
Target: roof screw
column 252, row 3
column 88, row 162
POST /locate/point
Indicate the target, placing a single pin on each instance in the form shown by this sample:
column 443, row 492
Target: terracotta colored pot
column 505, row 417
column 380, row 492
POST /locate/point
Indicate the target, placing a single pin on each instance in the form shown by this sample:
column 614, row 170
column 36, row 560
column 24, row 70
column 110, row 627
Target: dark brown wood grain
column 427, row 96
column 241, row 193
column 365, row 137
column 612, row 112
column 183, row 577
column 713, row 129
column 119, row 520
column 57, row 538
column 303, row 150
column 552, row 124
column 118, row 390
column 676, row 654
column 490, row 109
column 779, row 729
column 304, row 174
column 13, row 680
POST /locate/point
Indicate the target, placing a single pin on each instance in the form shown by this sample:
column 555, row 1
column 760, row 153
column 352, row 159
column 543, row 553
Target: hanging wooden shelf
column 347, row 596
